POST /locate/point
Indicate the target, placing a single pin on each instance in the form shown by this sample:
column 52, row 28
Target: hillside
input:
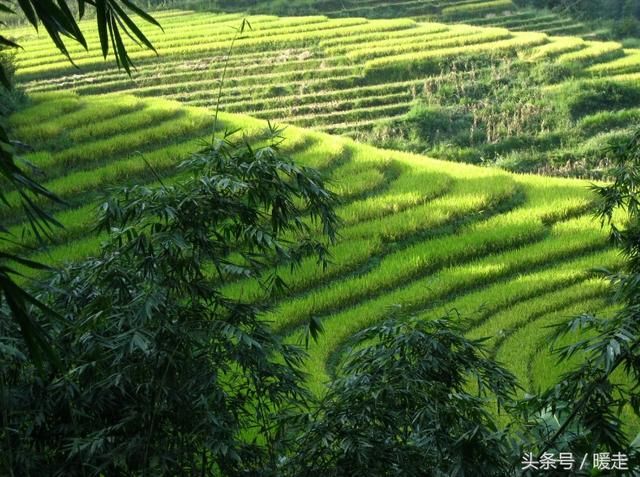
column 526, row 101
column 319, row 237
column 516, row 15
column 509, row 252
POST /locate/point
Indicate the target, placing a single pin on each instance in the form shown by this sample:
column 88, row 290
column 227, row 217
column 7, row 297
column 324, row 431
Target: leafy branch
column 59, row 22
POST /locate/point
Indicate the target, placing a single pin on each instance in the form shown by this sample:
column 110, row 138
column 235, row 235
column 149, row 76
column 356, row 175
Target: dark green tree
column 162, row 374
column 416, row 398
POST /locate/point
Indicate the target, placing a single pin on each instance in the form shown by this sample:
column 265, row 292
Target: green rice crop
column 277, row 40
column 83, row 154
column 508, row 320
column 628, row 63
column 334, row 106
column 338, row 327
column 52, row 127
column 427, row 61
column 360, row 113
column 595, row 51
column 341, row 45
column 199, row 26
column 519, row 348
column 466, row 9
column 152, row 70
column 210, row 83
column 470, row 38
column 311, row 99
column 313, row 71
column 477, row 307
column 515, row 20
column 505, row 250
column 480, row 306
column 556, row 46
column 401, row 265
column 179, row 37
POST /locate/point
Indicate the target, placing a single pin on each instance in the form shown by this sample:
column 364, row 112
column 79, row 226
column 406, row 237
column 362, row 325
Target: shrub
column 588, row 97
column 413, row 400
column 433, row 124
column 9, row 98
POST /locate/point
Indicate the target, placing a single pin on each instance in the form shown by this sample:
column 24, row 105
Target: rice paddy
column 511, row 253
column 349, row 75
column 425, row 231
column 503, row 13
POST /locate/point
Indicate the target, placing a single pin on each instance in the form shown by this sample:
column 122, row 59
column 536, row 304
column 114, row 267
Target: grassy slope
column 508, row 251
column 350, row 75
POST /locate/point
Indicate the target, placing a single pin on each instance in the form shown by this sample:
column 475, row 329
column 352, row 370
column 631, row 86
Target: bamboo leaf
column 136, row 31
column 103, row 24
column 29, row 12
column 141, row 13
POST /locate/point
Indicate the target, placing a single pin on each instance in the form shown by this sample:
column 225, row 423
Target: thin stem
column 224, row 74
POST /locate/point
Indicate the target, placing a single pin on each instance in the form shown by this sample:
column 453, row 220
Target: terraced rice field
column 503, row 13
column 509, row 252
column 340, row 75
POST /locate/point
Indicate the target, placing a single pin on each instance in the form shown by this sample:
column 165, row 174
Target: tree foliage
column 114, row 24
column 162, row 373
column 416, row 398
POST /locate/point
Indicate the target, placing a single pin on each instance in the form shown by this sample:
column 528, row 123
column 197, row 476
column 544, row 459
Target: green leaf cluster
column 161, row 373
column 59, row 22
column 414, row 399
